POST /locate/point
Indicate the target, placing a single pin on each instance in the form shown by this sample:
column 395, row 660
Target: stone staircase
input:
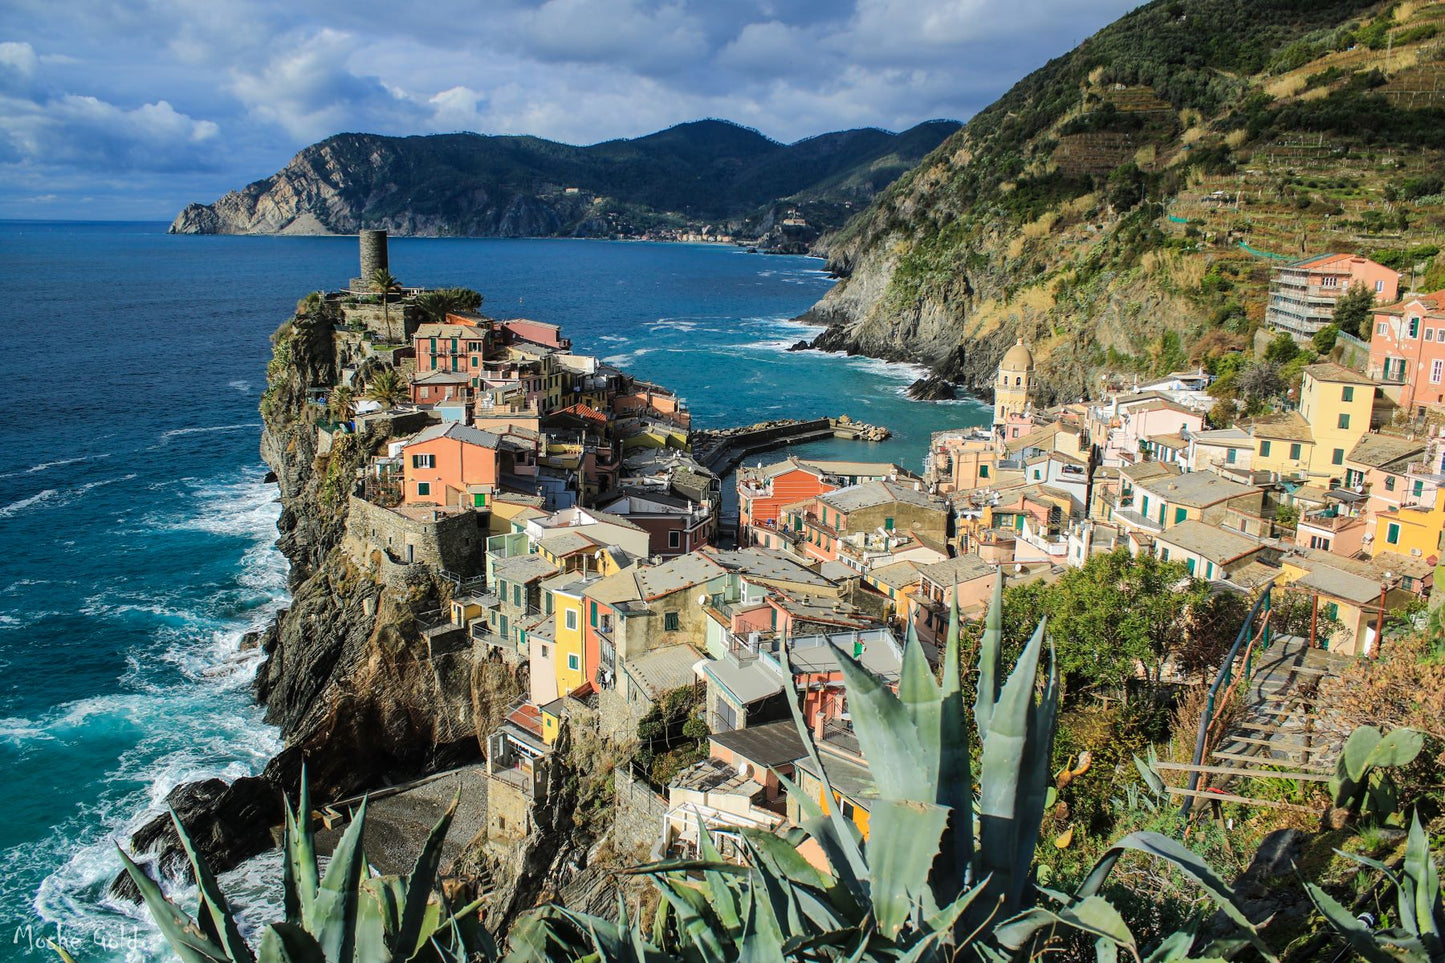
column 1285, row 731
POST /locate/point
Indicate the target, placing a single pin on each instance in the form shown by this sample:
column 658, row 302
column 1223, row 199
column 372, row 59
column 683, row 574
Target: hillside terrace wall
column 451, row 541
column 638, row 816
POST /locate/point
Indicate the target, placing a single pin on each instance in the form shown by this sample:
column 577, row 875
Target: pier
column 722, row 450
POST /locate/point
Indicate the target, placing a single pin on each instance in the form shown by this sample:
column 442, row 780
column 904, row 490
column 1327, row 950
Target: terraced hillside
column 1119, row 208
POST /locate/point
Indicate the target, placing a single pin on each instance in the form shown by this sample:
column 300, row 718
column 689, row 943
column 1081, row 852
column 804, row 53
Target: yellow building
column 1337, row 404
column 1415, row 531
column 1282, row 443
column 1346, row 592
column 569, row 663
column 1011, row 389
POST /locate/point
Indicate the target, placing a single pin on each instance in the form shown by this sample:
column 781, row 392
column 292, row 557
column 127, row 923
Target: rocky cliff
column 1100, row 209
column 359, row 696
column 705, row 173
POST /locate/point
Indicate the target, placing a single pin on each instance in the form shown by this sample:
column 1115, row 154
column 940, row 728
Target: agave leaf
column 299, row 872
column 1372, row 864
column 1093, row 915
column 693, row 921
column 182, row 933
column 419, row 886
column 781, row 896
column 1034, row 792
column 1174, row 947
column 684, row 866
column 1001, row 780
column 333, row 920
column 1357, row 934
column 725, row 900
column 902, row 762
column 903, row 839
column 762, row 935
column 1423, row 883
column 1149, row 775
column 955, row 779
column 288, row 943
column 378, row 912
column 988, row 655
column 1188, row 863
column 214, row 913
column 840, row 845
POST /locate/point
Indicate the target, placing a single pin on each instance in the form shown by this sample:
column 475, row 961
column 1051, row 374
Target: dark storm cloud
column 139, row 106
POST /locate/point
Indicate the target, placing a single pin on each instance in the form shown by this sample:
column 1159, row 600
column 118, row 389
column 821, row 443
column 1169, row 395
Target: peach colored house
column 1407, row 349
column 450, row 465
column 458, row 347
column 1302, row 293
column 537, row 332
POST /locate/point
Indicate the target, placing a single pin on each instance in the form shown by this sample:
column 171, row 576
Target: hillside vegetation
column 708, row 173
column 1119, row 208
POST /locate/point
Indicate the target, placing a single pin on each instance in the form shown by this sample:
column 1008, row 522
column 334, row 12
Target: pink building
column 1302, row 293
column 537, row 332
column 1407, row 349
column 459, row 346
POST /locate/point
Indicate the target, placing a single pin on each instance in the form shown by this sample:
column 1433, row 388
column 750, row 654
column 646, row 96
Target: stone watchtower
column 373, row 258
column 1011, row 390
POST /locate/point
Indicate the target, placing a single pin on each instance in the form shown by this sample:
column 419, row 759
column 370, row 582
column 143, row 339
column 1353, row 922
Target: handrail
column 1222, row 679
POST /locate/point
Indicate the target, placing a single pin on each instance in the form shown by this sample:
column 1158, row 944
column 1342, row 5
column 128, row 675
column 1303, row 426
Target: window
column 1414, row 331
column 674, row 539
column 544, row 652
column 1294, row 451
column 670, row 622
column 846, row 808
column 1229, row 456
column 1189, row 565
column 1209, row 570
column 593, row 616
column 474, row 361
column 1163, row 554
column 1389, row 483
column 1320, row 542
column 1379, row 287
column 1344, row 422
column 570, row 619
column 423, row 488
column 1338, row 458
column 504, row 625
column 888, row 524
column 1382, row 328
column 1264, row 449
column 1418, row 489
column 1437, row 370
column 517, row 595
column 982, row 471
column 1332, row 610
column 1429, row 334
column 423, row 461
column 1392, row 533
column 573, row 662
column 1347, row 393
column 1180, row 514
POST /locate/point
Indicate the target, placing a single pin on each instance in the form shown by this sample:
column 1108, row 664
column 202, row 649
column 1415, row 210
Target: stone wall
column 638, row 817
column 509, row 810
column 455, row 542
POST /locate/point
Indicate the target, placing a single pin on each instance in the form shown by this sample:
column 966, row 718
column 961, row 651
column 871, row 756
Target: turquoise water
column 136, row 533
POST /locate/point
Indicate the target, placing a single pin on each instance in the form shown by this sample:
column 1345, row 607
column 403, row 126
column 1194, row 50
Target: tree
column 383, row 282
column 1282, row 349
column 1325, row 338
column 1108, row 617
column 1353, row 310
column 434, row 305
column 1125, row 187
column 387, row 388
column 1286, row 516
column 1258, row 382
column 342, row 403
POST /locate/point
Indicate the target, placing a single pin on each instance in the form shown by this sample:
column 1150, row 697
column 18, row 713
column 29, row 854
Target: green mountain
column 707, row 173
column 1119, row 207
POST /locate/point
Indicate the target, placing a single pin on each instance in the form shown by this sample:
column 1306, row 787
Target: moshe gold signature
column 45, row 940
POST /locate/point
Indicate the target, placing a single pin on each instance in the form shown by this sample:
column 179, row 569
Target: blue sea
column 136, row 532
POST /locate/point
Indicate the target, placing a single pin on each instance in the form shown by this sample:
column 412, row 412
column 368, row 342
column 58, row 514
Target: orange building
column 1407, row 349
column 458, row 347
column 1302, row 293
column 450, row 465
column 763, row 491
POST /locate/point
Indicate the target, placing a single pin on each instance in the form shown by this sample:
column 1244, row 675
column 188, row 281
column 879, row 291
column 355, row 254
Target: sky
column 130, row 109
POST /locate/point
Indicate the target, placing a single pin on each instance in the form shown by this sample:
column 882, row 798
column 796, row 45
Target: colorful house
column 450, row 465
column 1338, row 405
column 1407, row 350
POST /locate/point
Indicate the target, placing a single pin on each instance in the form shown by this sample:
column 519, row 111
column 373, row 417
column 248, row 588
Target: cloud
column 202, row 96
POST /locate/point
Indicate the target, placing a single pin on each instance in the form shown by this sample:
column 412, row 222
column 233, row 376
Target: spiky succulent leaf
column 903, row 840
column 989, row 646
column 300, row 876
column 214, row 913
column 1421, row 887
column 1360, row 937
column 334, row 912
column 378, row 917
column 1150, row 776
column 902, row 759
column 409, row 933
column 1188, row 863
column 289, row 943
column 184, row 934
column 1093, row 915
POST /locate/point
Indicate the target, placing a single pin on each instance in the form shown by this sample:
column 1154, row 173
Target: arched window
column 1018, row 381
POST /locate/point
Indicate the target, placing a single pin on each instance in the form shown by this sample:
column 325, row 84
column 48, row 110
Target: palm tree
column 387, row 388
column 383, row 282
column 343, row 403
column 435, row 304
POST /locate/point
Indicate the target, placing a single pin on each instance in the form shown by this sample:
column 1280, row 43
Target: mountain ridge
column 708, row 172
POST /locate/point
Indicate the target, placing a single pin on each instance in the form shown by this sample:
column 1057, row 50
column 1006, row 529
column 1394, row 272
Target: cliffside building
column 1302, row 293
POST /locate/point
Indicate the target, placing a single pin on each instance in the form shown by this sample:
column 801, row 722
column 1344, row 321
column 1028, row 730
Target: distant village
column 585, row 538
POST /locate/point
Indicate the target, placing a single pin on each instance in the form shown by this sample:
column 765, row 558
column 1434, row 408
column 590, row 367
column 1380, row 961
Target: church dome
column 1018, row 358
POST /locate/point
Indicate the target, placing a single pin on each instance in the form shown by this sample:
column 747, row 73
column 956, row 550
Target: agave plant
column 941, row 876
column 1416, row 936
column 347, row 915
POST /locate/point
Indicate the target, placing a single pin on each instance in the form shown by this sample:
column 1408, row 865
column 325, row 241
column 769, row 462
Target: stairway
column 1285, row 731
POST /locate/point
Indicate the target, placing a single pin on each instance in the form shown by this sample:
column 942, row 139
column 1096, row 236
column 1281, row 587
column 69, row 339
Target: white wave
column 613, row 338
column 44, row 495
column 58, row 463
column 177, row 432
column 240, row 385
column 8, row 620
column 60, row 496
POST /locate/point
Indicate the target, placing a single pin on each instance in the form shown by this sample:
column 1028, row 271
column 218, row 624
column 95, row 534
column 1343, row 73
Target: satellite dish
column 702, row 599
